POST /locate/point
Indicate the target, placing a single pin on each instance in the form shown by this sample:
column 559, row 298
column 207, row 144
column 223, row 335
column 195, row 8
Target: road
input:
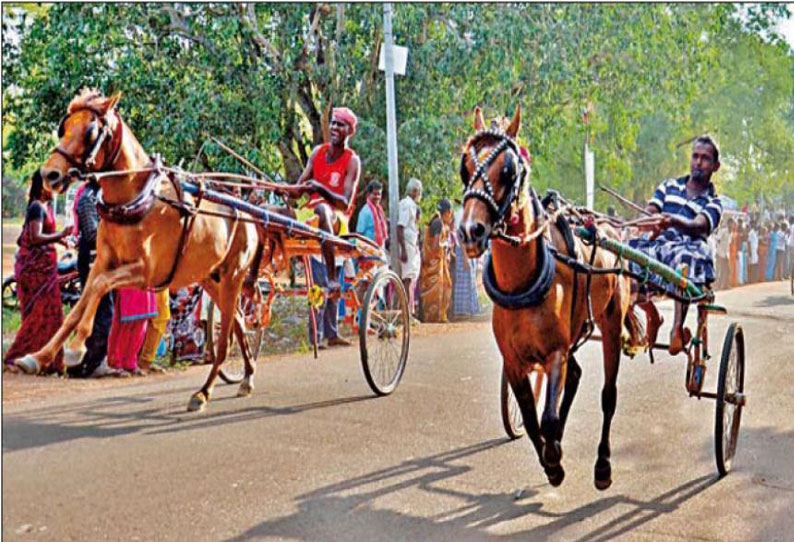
column 313, row 456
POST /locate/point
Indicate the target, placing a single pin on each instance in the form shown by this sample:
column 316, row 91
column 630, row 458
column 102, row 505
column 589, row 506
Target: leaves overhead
column 263, row 78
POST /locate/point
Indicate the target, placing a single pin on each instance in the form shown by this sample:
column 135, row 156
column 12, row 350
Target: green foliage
column 263, row 77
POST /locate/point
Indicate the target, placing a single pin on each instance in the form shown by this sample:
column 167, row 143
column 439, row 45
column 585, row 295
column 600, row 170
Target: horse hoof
column 245, row 390
column 555, row 475
column 28, row 364
column 552, row 453
column 603, row 475
column 197, row 402
column 72, row 358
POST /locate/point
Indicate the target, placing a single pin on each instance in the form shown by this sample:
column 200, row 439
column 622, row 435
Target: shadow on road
column 776, row 301
column 118, row 416
column 348, row 511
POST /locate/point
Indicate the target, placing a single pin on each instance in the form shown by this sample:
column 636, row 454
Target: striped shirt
column 671, row 197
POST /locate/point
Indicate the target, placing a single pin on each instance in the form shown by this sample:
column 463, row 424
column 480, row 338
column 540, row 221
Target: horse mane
column 87, row 98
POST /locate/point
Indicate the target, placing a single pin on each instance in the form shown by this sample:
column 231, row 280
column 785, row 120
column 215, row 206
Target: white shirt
column 408, row 210
column 752, row 239
column 723, row 243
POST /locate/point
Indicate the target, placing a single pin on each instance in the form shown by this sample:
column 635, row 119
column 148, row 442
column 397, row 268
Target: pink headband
column 347, row 116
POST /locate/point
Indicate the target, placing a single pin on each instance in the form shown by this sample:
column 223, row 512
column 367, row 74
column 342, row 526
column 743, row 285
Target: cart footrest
column 711, row 307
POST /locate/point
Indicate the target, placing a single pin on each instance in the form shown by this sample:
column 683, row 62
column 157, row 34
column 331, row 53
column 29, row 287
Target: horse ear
column 112, row 101
column 515, row 124
column 479, row 122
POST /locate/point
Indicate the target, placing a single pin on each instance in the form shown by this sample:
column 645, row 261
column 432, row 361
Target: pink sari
column 132, row 310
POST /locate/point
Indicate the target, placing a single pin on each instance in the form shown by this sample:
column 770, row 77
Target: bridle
column 486, row 195
column 97, row 134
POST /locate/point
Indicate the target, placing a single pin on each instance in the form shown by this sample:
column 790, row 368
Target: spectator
column 782, row 241
column 154, row 333
column 733, row 259
column 752, row 244
column 133, row 307
column 790, row 251
column 408, row 236
column 464, row 286
column 371, row 221
column 763, row 248
column 723, row 240
column 771, row 257
column 36, row 271
column 435, row 279
column 94, row 362
column 188, row 339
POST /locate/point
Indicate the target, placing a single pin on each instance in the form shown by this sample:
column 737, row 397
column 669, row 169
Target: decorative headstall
column 487, row 195
column 97, row 134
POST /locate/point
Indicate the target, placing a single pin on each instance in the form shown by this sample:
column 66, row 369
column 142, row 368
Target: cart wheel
column 512, row 419
column 730, row 398
column 233, row 369
column 384, row 332
column 10, row 299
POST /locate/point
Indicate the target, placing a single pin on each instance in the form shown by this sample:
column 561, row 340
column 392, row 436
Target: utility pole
column 391, row 134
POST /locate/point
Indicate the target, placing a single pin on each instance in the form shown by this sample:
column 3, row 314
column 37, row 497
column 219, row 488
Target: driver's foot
column 679, row 337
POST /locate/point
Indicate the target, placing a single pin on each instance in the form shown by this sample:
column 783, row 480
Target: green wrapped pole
column 625, row 251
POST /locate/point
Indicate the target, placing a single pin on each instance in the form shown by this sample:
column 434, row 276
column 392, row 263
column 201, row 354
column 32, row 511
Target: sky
column 787, row 27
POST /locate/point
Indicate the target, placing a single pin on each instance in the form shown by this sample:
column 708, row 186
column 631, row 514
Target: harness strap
column 188, row 220
column 533, row 295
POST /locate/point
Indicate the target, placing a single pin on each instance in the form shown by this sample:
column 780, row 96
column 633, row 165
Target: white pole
column 391, row 133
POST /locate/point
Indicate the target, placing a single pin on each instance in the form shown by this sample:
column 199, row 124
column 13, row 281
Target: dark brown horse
column 140, row 242
column 537, row 318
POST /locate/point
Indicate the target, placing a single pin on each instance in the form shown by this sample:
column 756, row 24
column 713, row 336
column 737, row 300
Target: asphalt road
column 313, row 456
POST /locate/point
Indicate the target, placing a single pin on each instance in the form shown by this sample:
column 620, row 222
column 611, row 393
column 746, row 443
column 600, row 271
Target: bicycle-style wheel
column 512, row 419
column 730, row 398
column 10, row 299
column 384, row 332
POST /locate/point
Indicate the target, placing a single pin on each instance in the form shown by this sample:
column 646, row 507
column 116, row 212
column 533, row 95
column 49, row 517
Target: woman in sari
column 36, row 271
column 435, row 280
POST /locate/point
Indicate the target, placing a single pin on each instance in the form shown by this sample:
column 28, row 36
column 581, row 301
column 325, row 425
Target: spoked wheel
column 730, row 398
column 384, row 332
column 512, row 419
column 10, row 299
column 233, row 369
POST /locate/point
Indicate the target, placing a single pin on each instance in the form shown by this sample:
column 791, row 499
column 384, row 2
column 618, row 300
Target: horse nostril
column 53, row 176
column 462, row 233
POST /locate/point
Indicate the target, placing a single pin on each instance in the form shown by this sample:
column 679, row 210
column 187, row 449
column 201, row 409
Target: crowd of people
column 753, row 247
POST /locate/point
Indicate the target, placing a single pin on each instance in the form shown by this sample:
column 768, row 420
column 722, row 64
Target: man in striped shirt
column 690, row 211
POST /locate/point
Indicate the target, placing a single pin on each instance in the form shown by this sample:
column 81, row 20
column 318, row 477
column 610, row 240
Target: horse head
column 89, row 139
column 495, row 175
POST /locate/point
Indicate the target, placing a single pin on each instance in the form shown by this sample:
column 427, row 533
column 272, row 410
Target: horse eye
column 92, row 133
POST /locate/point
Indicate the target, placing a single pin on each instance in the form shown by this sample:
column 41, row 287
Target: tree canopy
column 647, row 78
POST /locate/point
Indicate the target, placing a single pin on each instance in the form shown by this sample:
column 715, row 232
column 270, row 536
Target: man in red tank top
column 331, row 180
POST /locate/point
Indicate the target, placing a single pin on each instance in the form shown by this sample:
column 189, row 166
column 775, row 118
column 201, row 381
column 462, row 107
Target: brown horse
column 143, row 241
column 537, row 318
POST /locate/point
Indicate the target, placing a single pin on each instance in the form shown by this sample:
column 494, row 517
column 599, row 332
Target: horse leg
column 572, row 377
column 225, row 295
column 247, row 385
column 82, row 315
column 126, row 275
column 610, row 331
column 522, row 389
column 556, row 369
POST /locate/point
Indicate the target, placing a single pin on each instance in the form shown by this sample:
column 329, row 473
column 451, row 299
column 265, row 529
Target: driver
column 690, row 211
column 331, row 180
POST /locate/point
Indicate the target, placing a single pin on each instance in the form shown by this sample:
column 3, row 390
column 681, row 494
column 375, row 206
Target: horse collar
column 133, row 211
column 534, row 294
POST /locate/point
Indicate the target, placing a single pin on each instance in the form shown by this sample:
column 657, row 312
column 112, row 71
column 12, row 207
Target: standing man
column 408, row 236
column 87, row 218
column 372, row 222
column 752, row 242
column 330, row 178
column 723, row 242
